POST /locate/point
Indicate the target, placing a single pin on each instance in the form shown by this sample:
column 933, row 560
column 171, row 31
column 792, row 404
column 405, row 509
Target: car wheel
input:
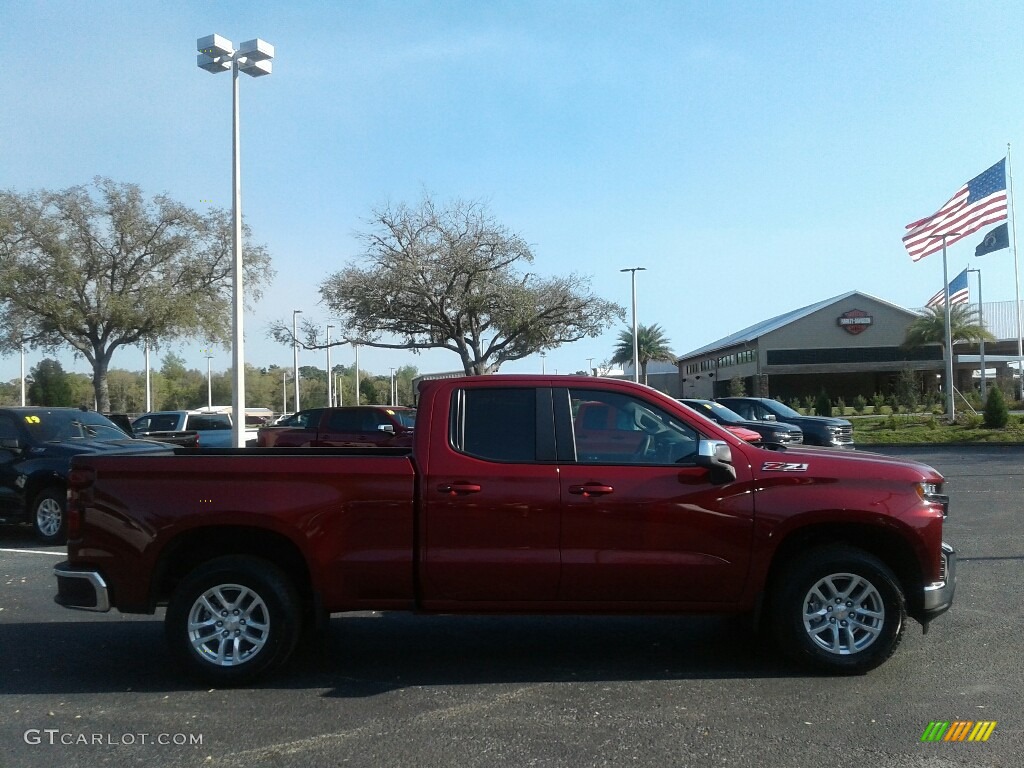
column 233, row 619
column 49, row 516
column 839, row 610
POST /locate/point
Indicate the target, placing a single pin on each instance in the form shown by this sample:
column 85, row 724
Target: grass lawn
column 926, row 428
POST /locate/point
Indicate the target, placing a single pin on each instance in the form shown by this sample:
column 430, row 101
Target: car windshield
column 714, row 411
column 53, row 426
column 406, row 418
column 780, row 409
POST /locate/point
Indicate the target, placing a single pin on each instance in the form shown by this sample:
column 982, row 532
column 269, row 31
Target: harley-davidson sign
column 855, row 321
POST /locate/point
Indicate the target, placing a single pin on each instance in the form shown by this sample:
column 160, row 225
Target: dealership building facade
column 847, row 345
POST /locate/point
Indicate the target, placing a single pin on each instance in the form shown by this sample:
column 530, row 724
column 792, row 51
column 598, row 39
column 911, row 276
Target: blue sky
column 755, row 158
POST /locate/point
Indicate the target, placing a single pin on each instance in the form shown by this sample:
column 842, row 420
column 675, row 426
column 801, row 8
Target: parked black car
column 818, row 430
column 770, row 431
column 36, row 446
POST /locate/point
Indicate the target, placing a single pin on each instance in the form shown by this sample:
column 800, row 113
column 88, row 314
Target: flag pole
column 950, row 412
column 1016, row 279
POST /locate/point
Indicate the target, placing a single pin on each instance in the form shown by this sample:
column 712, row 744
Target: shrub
column 996, row 413
column 877, row 401
column 970, row 420
column 893, row 403
column 808, row 406
column 907, row 389
column 859, row 405
column 840, row 406
column 822, row 406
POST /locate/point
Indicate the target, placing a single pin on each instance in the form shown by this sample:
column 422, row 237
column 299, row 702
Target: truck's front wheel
column 840, row 610
column 49, row 516
column 233, row 619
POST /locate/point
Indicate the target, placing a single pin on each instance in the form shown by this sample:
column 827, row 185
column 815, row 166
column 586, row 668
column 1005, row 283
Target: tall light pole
column 209, row 377
column 217, row 54
column 356, row 348
column 149, row 388
column 636, row 348
column 23, row 373
column 330, row 376
column 393, row 393
column 590, row 366
column 295, row 355
column 981, row 343
column 543, row 367
column 284, row 392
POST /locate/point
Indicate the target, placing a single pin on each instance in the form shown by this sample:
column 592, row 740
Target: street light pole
column 393, row 403
column 23, row 374
column 636, row 348
column 209, row 378
column 543, row 368
column 330, row 376
column 356, row 348
column 295, row 356
column 217, row 54
column 284, row 392
column 590, row 366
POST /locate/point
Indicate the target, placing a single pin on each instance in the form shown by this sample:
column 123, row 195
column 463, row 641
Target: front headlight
column 932, row 494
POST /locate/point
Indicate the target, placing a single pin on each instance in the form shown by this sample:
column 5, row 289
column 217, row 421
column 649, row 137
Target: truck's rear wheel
column 839, row 610
column 233, row 619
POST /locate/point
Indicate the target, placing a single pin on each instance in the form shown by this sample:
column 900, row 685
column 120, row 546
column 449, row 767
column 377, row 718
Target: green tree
column 997, row 415
column 822, row 405
column 908, row 390
column 100, row 268
column 48, row 385
column 652, row 344
column 736, row 387
column 930, row 328
column 450, row 278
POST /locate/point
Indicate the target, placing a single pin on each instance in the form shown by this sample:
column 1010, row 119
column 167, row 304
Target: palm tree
column 652, row 344
column 930, row 328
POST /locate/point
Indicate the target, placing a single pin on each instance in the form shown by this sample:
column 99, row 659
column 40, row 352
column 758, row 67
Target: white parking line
column 35, row 552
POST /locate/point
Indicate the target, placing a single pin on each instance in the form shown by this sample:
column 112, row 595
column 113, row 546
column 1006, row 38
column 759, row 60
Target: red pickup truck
column 350, row 426
column 831, row 551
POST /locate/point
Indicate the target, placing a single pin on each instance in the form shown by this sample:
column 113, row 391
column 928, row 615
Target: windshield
column 53, row 426
column 780, row 409
column 714, row 411
column 406, row 418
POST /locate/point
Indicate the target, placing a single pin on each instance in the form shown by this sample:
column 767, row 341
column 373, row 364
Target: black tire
column 259, row 625
column 838, row 610
column 49, row 516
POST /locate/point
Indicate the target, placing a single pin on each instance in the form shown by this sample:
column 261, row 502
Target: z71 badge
column 783, row 466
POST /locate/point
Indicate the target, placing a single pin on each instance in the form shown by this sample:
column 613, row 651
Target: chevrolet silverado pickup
column 507, row 503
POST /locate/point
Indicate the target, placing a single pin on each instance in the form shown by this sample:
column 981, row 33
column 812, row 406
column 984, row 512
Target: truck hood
column 829, row 421
column 98, row 447
column 825, row 461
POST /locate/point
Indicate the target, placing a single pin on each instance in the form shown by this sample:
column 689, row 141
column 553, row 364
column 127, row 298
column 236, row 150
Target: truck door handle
column 591, row 489
column 457, row 488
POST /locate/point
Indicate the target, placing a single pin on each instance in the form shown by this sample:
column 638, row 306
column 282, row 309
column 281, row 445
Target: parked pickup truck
column 211, row 429
column 505, row 504
column 36, row 446
column 351, row 426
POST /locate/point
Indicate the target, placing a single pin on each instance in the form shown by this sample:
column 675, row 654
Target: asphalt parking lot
column 82, row 689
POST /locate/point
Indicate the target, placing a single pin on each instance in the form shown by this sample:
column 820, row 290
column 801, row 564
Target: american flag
column 959, row 292
column 978, row 203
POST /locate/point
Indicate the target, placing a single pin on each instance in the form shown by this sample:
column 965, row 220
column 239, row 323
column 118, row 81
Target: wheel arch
column 192, row 548
column 884, row 543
